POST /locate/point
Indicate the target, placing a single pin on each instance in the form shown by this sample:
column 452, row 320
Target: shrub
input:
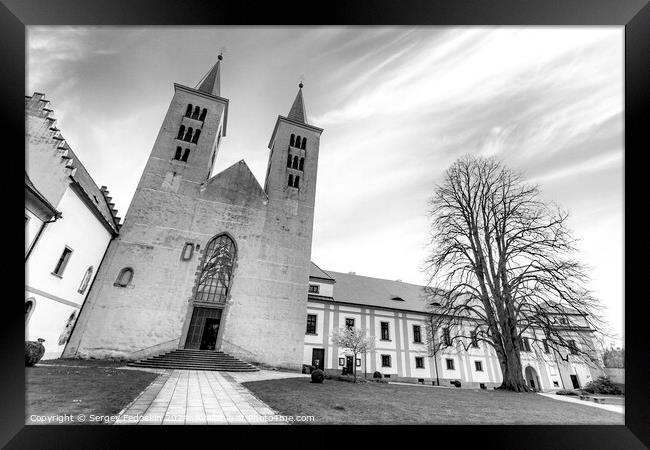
column 602, row 385
column 317, row 376
column 567, row 392
column 456, row 383
column 34, row 351
column 377, row 374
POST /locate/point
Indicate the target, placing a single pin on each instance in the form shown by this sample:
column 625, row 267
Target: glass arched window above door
column 216, row 270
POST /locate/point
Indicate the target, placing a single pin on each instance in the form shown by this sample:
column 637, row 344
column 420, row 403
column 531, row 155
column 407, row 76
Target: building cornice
column 292, row 122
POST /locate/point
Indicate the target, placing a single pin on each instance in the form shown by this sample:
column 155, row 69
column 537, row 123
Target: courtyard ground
column 339, row 402
column 74, row 387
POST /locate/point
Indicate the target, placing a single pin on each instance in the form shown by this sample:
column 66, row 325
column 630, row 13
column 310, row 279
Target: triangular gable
column 236, row 185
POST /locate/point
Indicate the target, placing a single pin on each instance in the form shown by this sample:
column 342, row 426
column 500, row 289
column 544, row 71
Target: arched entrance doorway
column 532, row 379
column 211, row 292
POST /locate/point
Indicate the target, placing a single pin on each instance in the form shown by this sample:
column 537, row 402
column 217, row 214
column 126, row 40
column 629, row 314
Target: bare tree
column 501, row 270
column 355, row 341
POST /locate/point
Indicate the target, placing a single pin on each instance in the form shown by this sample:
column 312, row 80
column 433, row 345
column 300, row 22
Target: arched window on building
column 292, row 139
column 30, row 303
column 179, row 152
column 289, row 160
column 85, row 280
column 217, row 267
column 304, row 143
column 65, row 335
column 188, row 112
column 124, row 278
column 181, row 132
column 197, row 111
column 301, row 166
column 195, row 139
column 203, row 114
column 295, row 162
column 290, row 182
column 296, row 182
column 186, row 155
column 188, row 135
column 297, row 143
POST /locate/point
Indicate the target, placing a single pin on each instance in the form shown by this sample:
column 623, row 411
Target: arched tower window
column 296, row 182
column 188, row 135
column 186, row 155
column 297, row 143
column 181, row 132
column 304, row 143
column 295, row 162
column 85, row 280
column 197, row 111
column 292, row 139
column 124, row 278
column 195, row 139
column 216, row 270
column 188, row 112
column 289, row 160
column 203, row 114
column 290, row 182
column 301, row 166
column 179, row 151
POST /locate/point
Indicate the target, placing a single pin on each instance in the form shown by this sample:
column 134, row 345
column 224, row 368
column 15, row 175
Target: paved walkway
column 565, row 398
column 196, row 397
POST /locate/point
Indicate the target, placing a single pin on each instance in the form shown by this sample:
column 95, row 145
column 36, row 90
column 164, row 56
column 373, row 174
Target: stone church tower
column 207, row 262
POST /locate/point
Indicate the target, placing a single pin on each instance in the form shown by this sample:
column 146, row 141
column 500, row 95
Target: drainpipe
column 58, row 215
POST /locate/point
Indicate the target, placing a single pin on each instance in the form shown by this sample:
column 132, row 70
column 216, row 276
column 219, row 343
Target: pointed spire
column 212, row 81
column 297, row 111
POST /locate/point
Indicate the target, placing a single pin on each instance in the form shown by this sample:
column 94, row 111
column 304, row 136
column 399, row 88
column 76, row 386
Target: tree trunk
column 513, row 377
column 354, row 362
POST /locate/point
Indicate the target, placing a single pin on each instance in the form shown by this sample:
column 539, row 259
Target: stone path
column 565, row 398
column 196, row 397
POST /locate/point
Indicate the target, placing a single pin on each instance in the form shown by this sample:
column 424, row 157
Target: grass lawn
column 89, row 387
column 371, row 403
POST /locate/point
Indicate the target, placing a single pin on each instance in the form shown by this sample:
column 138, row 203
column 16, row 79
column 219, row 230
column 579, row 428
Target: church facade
column 209, row 262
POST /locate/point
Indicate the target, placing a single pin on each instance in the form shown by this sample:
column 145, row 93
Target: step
column 186, row 367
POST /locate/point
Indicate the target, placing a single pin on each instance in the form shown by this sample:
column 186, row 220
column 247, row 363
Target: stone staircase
column 195, row 360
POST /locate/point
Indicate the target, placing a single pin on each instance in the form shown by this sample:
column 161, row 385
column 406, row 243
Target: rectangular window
column 349, row 323
column 63, row 261
column 314, row 288
column 417, row 336
column 385, row 360
column 556, row 384
column 419, row 362
column 573, row 348
column 474, row 340
column 385, row 335
column 311, row 323
column 526, row 344
column 479, row 366
column 450, row 364
column 546, row 349
column 446, row 336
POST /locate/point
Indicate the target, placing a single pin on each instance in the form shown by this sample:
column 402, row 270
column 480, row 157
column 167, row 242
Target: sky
column 398, row 106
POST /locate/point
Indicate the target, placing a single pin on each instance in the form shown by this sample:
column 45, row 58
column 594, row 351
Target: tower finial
column 211, row 82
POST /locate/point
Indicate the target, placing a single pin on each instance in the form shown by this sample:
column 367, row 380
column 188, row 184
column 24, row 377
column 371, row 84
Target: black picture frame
column 634, row 15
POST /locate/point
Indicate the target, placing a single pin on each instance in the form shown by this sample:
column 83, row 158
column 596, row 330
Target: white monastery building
column 69, row 222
